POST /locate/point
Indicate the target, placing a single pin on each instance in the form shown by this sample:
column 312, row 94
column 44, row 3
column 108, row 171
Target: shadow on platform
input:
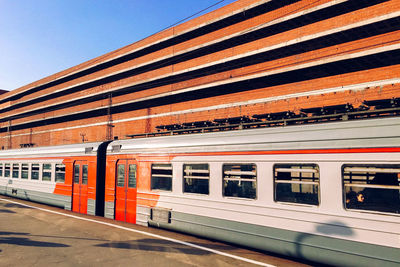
column 13, row 205
column 6, row 211
column 23, row 241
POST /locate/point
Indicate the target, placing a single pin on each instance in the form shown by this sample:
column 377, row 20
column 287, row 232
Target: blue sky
column 42, row 37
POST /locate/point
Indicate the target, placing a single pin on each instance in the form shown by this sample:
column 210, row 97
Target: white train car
column 62, row 176
column 325, row 192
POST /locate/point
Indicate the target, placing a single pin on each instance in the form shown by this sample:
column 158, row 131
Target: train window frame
column 9, row 170
column 121, row 175
column 370, row 197
column 74, row 173
column 16, row 170
column 1, row 169
column 132, row 180
column 163, row 171
column 196, row 175
column 85, row 171
column 296, row 198
column 225, row 180
column 47, row 168
column 24, row 171
column 57, row 170
column 34, row 165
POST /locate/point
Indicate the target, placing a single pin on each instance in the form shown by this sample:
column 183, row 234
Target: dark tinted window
column 76, row 173
column 372, row 187
column 297, row 183
column 46, row 172
column 25, row 171
column 85, row 174
column 121, row 175
column 15, row 170
column 7, row 169
column 240, row 180
column 60, row 173
column 35, row 172
column 132, row 176
column 161, row 177
column 196, row 178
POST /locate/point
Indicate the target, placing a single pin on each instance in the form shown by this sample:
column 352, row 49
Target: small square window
column 46, row 172
column 121, row 175
column 85, row 170
column 240, row 180
column 15, row 170
column 196, row 178
column 372, row 187
column 60, row 173
column 76, row 173
column 25, row 171
column 132, row 176
column 7, row 170
column 161, row 177
column 35, row 172
column 297, row 183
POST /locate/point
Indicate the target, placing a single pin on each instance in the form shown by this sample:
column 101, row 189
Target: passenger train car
column 324, row 192
column 63, row 176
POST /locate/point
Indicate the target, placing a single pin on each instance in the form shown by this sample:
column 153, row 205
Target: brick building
column 249, row 57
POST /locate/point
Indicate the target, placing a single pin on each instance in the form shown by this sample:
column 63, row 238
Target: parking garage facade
column 252, row 63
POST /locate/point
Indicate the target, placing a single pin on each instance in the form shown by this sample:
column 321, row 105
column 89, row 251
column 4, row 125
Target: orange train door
column 125, row 195
column 80, row 187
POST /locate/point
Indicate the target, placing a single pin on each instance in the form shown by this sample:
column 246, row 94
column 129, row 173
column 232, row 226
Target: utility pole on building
column 110, row 126
column 9, row 135
column 30, row 137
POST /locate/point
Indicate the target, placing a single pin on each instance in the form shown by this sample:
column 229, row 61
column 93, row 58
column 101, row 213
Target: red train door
column 80, row 187
column 125, row 195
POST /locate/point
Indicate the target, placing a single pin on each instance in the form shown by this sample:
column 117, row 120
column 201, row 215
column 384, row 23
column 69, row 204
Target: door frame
column 127, row 162
column 81, row 163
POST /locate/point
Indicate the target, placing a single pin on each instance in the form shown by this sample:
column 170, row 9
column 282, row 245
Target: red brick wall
column 140, row 122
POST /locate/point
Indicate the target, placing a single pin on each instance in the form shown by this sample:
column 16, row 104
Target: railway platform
column 32, row 234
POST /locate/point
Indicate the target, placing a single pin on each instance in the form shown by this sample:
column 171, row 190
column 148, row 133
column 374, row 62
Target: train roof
column 52, row 151
column 379, row 132
column 382, row 132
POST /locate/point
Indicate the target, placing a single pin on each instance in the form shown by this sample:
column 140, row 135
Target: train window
column 196, row 178
column 1, row 169
column 76, row 173
column 46, row 172
column 161, row 177
column 60, row 173
column 132, row 176
column 35, row 172
column 25, row 171
column 85, row 170
column 297, row 183
column 15, row 170
column 372, row 187
column 7, row 169
column 240, row 180
column 121, row 175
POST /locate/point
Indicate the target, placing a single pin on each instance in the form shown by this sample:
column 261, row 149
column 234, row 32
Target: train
column 326, row 192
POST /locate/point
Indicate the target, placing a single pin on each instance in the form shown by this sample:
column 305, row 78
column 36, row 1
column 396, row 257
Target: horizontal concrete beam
column 265, row 49
column 353, row 87
column 97, row 62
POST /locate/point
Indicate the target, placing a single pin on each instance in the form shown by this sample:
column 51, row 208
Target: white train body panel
column 346, row 235
column 329, row 146
column 328, row 219
column 40, row 189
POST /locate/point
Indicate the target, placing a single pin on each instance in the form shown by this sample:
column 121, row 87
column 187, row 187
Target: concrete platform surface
column 36, row 235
